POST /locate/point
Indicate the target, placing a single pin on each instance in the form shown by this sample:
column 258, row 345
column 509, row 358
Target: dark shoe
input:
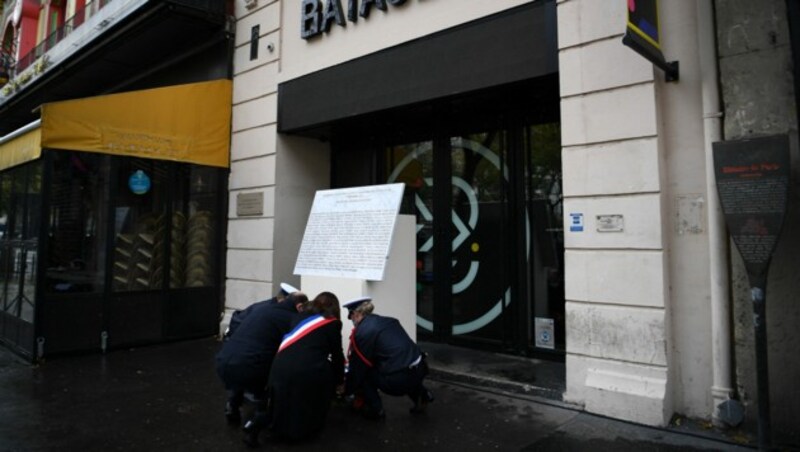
column 421, row 404
column 372, row 414
column 232, row 414
column 250, row 438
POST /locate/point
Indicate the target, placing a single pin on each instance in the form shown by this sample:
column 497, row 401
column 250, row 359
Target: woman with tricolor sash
column 307, row 370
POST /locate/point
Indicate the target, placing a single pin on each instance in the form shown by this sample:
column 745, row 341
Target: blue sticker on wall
column 139, row 182
column 576, row 222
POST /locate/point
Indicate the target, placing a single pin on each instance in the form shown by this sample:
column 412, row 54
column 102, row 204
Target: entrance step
column 508, row 373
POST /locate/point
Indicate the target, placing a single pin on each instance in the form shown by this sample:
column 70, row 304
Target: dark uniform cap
column 353, row 304
column 288, row 288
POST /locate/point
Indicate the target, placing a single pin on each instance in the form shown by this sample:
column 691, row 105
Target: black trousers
column 406, row 382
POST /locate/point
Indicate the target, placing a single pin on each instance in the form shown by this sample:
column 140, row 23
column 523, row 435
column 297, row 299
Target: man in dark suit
column 244, row 362
column 382, row 356
column 240, row 314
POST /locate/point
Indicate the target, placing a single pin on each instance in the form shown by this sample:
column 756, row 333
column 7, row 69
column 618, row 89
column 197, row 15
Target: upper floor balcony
column 102, row 47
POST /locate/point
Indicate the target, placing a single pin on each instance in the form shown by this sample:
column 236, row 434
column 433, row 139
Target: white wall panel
column 249, row 264
column 251, row 143
column 256, row 83
column 633, row 278
column 241, row 294
column 580, row 22
column 619, row 390
column 620, row 333
column 609, row 115
column 254, row 113
column 257, row 172
column 251, row 234
column 601, row 65
column 620, row 167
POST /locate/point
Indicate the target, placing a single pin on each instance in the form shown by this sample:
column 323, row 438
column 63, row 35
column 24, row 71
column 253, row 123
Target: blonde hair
column 365, row 308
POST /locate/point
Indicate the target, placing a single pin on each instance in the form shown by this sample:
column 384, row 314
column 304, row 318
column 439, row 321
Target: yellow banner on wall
column 184, row 123
column 21, row 149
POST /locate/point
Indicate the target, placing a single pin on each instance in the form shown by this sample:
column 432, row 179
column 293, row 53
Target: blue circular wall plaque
column 139, row 182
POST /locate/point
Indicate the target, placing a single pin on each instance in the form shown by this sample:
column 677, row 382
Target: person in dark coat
column 382, row 356
column 240, row 314
column 308, row 369
column 244, row 362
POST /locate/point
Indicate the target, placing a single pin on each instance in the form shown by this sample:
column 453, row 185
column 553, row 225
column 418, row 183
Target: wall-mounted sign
column 576, row 222
column 610, row 223
column 139, row 182
column 643, row 35
column 318, row 16
column 250, row 204
column 545, row 332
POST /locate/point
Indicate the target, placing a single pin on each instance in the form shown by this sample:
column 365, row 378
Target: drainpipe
column 721, row 389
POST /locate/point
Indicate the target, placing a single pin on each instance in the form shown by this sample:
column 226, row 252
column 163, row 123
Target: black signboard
column 753, row 185
column 643, row 35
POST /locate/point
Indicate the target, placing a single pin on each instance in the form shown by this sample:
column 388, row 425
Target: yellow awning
column 183, row 123
column 21, row 149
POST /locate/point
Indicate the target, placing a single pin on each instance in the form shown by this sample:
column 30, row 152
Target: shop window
column 76, row 235
column 140, row 225
column 20, row 202
column 193, row 232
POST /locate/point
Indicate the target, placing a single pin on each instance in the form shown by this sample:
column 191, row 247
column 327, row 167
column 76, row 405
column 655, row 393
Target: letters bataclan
column 318, row 16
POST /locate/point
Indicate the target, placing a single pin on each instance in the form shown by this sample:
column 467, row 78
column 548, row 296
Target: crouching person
column 382, row 356
column 307, row 371
column 245, row 360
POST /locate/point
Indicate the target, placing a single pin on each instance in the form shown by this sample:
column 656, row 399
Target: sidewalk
column 168, row 398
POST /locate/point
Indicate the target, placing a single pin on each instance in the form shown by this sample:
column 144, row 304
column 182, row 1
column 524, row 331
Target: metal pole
column 758, row 296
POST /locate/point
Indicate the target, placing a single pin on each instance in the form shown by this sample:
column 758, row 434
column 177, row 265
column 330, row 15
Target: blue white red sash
column 303, row 329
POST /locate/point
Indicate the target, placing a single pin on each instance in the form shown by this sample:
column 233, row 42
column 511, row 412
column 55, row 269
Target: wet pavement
column 167, row 397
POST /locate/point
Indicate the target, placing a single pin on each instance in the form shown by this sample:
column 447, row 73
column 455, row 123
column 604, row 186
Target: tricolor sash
column 303, row 329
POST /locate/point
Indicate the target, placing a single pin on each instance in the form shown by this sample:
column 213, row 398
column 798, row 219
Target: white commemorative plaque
column 349, row 232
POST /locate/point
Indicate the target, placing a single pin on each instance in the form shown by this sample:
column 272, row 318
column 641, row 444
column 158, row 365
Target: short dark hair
column 327, row 305
column 296, row 298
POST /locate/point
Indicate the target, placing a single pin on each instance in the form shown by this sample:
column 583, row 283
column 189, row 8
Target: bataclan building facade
column 114, row 155
column 564, row 190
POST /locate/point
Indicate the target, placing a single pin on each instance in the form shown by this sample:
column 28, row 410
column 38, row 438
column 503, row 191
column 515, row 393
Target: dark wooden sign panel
column 753, row 186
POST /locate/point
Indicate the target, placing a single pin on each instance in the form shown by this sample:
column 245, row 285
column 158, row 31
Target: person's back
column 258, row 336
column 244, row 362
column 382, row 356
column 392, row 348
column 307, row 370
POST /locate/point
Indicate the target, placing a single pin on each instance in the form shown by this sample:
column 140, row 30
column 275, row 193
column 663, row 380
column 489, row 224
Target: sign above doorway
column 317, row 16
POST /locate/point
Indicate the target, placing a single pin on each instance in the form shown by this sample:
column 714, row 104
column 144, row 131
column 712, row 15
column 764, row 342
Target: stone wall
column 756, row 72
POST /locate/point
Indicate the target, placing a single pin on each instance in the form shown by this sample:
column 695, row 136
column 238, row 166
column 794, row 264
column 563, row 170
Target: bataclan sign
column 316, row 18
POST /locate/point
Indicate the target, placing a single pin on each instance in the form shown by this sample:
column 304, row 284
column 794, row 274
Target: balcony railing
column 60, row 33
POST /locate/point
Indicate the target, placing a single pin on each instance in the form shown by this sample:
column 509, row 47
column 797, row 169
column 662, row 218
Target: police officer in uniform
column 382, row 356
column 244, row 362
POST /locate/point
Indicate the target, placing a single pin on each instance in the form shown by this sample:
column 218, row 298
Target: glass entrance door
column 489, row 243
column 457, row 189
